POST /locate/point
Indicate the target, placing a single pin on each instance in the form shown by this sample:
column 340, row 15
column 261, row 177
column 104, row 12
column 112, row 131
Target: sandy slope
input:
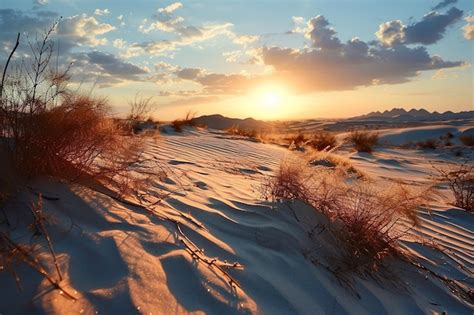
column 118, row 259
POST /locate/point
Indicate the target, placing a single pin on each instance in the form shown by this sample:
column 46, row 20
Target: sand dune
column 119, row 259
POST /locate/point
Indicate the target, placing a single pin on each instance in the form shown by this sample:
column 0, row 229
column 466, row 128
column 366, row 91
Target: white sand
column 118, row 259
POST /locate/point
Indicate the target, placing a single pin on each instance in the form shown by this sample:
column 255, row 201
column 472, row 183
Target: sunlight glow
column 270, row 99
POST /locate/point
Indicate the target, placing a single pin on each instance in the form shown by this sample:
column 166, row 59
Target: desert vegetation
column 429, row 144
column 323, row 140
column 50, row 130
column 239, row 131
column 363, row 141
column 365, row 220
column 188, row 120
column 141, row 109
column 460, row 180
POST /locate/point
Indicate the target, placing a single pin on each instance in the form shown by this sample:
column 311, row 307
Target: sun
column 271, row 99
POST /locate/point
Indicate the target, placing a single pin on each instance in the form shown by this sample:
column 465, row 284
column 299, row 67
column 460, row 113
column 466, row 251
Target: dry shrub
column 370, row 228
column 188, row 120
column 337, row 162
column 323, row 140
column 140, row 108
column 461, row 182
column 69, row 139
column 365, row 219
column 238, row 131
column 429, row 144
column 363, row 141
column 467, row 140
column 297, row 141
column 49, row 130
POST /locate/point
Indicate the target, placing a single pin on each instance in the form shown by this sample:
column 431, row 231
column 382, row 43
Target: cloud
column 245, row 39
column 215, row 83
column 428, row 31
column 186, row 36
column 164, row 20
column 391, row 33
column 299, row 23
column 102, row 12
column 171, row 8
column 444, row 4
column 41, row 2
column 80, row 30
column 30, row 23
column 13, row 21
column 321, row 35
column 196, row 100
column 119, row 43
column 353, row 65
column 468, row 29
column 105, row 69
column 329, row 65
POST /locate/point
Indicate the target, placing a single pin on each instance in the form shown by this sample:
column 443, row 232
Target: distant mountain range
column 221, row 122
column 395, row 115
column 400, row 114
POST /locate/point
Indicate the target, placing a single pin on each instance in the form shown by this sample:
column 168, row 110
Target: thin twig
column 8, row 62
column 37, row 211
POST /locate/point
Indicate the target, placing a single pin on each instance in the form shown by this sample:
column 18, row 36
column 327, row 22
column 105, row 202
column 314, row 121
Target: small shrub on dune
column 461, row 182
column 323, row 140
column 238, row 131
column 69, row 139
column 297, row 141
column 188, row 120
column 429, row 144
column 370, row 228
column 363, row 141
column 365, row 219
column 467, row 140
column 140, row 107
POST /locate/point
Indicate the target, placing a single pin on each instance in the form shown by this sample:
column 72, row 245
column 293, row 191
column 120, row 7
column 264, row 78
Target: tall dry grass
column 50, row 130
column 363, row 141
column 366, row 219
column 188, row 120
column 323, row 141
column 460, row 180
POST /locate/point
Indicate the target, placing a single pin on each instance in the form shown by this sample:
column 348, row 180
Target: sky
column 267, row 59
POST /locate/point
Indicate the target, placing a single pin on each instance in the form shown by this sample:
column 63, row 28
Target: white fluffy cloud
column 83, row 30
column 102, row 12
column 171, row 8
column 468, row 29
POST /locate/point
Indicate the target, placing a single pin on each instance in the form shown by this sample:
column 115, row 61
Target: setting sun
column 271, row 99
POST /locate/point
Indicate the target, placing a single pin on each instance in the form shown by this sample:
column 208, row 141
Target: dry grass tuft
column 323, row 141
column 461, row 182
column 238, row 131
column 429, row 144
column 366, row 220
column 188, row 120
column 363, row 141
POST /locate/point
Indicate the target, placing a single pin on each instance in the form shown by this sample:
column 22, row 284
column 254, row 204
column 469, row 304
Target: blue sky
column 268, row 59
